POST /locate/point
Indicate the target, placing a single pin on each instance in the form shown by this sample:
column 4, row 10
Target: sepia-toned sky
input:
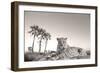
column 76, row 27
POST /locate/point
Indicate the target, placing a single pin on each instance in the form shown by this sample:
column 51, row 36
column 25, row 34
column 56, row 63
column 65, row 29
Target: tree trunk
column 40, row 45
column 45, row 45
column 33, row 44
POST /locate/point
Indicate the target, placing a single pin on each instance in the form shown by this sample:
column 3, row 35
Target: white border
column 23, row 64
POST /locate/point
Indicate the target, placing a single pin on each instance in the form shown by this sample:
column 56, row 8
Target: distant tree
column 47, row 37
column 41, row 37
column 34, row 32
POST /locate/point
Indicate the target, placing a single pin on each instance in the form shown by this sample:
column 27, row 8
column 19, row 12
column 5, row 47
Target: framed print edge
column 15, row 34
column 96, row 36
column 55, row 67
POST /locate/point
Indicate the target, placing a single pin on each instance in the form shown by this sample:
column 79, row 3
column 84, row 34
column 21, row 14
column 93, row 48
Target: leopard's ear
column 57, row 39
column 65, row 38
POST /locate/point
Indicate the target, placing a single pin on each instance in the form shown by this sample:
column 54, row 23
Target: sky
column 74, row 26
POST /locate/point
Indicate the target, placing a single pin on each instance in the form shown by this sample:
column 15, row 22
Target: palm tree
column 47, row 37
column 34, row 32
column 41, row 37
